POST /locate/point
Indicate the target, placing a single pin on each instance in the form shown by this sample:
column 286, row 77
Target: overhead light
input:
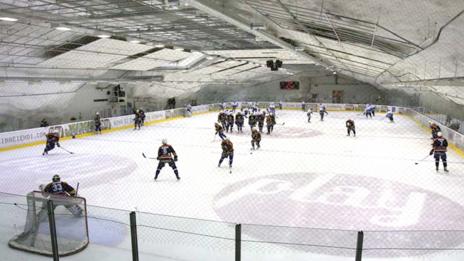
column 62, row 28
column 299, row 49
column 159, row 45
column 209, row 57
column 135, row 41
column 8, row 19
column 104, row 36
column 178, row 48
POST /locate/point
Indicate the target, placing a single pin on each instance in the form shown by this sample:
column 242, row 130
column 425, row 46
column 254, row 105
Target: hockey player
column 389, row 115
column 255, row 139
column 61, row 188
column 252, row 120
column 222, row 119
column 245, row 111
column 137, row 120
column 234, row 106
column 280, row 105
column 97, row 122
column 229, row 122
column 166, row 154
column 227, row 152
column 270, row 122
column 53, row 139
column 309, row 113
column 303, row 106
column 271, row 108
column 260, row 118
column 440, row 145
column 350, row 127
column 142, row 117
column 322, row 111
column 188, row 108
column 368, row 111
column 239, row 120
column 219, row 131
column 435, row 129
column 372, row 109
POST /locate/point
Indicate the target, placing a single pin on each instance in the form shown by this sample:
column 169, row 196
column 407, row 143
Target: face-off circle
column 342, row 202
column 23, row 175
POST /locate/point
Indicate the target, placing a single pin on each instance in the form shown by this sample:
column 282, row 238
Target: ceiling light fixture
column 104, row 36
column 159, row 45
column 209, row 57
column 62, row 28
column 135, row 41
column 8, row 19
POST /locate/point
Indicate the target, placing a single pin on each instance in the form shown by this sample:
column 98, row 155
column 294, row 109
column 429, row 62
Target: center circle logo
column 22, row 175
column 392, row 214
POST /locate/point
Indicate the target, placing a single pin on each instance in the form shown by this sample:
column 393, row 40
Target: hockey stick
column 417, row 162
column 143, row 154
column 70, row 152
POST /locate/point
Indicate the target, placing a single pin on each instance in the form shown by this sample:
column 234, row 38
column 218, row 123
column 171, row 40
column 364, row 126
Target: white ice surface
column 112, row 173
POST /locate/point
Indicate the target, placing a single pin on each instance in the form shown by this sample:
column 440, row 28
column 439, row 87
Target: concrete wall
column 431, row 102
column 314, row 85
column 57, row 102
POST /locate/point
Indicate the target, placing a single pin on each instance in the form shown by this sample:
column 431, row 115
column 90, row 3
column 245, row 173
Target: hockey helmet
column 164, row 141
column 97, row 113
column 439, row 134
column 56, row 178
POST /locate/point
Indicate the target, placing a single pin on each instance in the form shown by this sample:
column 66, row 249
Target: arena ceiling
column 411, row 45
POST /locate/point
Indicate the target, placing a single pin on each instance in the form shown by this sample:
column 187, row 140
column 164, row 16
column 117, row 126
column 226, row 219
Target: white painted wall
column 321, row 84
column 24, row 104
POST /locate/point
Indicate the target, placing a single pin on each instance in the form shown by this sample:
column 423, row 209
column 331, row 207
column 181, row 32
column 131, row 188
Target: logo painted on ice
column 342, row 202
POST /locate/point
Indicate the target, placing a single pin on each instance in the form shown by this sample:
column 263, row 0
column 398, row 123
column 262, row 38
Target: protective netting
column 184, row 238
column 258, row 241
column 70, row 220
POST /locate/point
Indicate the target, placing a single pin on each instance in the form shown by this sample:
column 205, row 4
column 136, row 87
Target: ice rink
column 305, row 175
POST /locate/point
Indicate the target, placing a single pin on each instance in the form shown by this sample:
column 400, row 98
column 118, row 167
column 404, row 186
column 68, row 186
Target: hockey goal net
column 70, row 221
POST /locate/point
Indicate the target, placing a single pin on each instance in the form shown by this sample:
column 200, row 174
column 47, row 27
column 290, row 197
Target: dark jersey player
column 219, row 131
column 59, row 187
column 227, row 152
column 63, row 189
column 53, row 139
column 166, row 154
column 440, row 145
column 350, row 127
column 255, row 139
column 97, row 121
